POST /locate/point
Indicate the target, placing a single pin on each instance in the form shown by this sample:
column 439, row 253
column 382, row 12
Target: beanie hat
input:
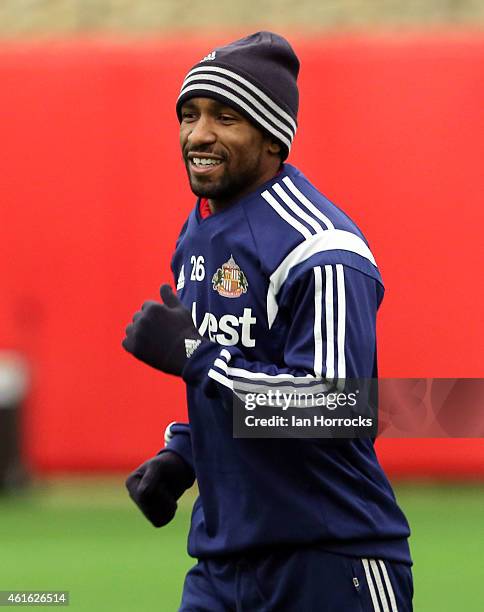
column 256, row 76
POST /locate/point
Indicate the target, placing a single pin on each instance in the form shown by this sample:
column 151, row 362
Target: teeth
column 203, row 161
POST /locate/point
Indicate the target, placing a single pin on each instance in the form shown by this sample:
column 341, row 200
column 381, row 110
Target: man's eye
column 227, row 118
column 186, row 116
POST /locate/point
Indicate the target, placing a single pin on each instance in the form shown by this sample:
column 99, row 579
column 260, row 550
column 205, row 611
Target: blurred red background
column 94, row 193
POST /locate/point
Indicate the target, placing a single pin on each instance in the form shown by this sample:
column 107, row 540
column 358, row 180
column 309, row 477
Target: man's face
column 225, row 155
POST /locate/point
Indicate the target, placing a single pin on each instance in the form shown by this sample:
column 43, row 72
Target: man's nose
column 202, row 132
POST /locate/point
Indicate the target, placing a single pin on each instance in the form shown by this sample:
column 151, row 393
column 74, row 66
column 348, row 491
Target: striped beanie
column 257, row 76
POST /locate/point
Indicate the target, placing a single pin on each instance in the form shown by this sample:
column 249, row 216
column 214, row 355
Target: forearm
column 178, row 440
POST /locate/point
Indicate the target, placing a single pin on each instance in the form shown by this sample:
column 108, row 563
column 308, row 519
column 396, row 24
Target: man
column 273, row 282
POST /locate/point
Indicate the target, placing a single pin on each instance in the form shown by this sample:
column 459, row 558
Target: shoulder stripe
column 328, row 240
column 286, row 198
column 282, row 212
column 307, row 203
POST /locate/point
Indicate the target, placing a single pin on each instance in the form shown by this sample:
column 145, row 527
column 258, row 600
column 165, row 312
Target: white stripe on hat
column 246, row 95
column 275, row 107
column 250, row 111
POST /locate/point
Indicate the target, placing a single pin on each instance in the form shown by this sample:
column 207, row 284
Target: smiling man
column 273, row 283
column 226, row 155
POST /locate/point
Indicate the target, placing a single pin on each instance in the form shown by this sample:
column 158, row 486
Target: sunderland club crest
column 229, row 280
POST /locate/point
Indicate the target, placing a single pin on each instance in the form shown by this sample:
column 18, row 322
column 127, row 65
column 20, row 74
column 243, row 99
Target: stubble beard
column 228, row 186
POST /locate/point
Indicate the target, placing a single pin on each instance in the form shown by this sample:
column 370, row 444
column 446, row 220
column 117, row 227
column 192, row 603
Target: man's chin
column 207, row 190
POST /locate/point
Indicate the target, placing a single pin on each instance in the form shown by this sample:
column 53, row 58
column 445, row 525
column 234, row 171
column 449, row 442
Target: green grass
column 447, row 546
column 87, row 537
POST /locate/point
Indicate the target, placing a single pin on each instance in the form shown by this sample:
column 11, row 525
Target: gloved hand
column 157, row 484
column 163, row 335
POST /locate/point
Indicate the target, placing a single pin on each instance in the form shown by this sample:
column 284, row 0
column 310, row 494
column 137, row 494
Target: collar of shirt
column 204, row 207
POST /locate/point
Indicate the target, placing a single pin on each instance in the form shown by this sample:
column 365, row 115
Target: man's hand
column 163, row 335
column 157, row 484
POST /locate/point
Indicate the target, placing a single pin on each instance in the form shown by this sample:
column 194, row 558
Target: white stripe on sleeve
column 241, row 373
column 226, row 354
column 328, row 307
column 340, row 281
column 168, row 432
column 223, row 380
column 221, row 364
column 230, row 373
column 318, row 315
column 328, row 240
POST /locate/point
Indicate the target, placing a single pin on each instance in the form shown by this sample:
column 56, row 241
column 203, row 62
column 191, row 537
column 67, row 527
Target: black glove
column 157, row 484
column 163, row 335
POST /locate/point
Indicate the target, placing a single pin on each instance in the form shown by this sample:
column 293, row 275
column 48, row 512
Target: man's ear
column 274, row 147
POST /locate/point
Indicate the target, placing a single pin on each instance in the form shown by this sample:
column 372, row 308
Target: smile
column 206, row 161
column 204, row 165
